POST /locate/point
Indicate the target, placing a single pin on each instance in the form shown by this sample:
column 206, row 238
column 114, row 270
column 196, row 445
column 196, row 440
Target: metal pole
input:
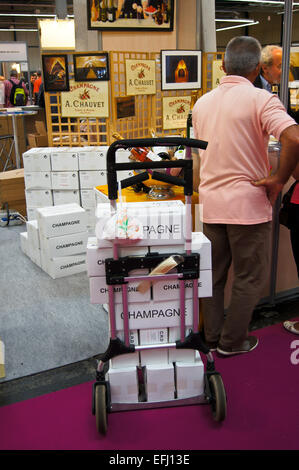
column 284, row 97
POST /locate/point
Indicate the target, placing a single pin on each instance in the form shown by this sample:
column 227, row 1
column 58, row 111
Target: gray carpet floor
column 44, row 323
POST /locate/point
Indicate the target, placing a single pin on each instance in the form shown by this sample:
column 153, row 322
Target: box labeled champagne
column 154, row 314
column 169, row 290
column 61, row 220
column 99, row 291
column 153, row 356
column 162, row 223
column 65, row 245
column 96, row 256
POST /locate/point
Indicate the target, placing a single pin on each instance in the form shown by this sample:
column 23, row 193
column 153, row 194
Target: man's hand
column 273, row 187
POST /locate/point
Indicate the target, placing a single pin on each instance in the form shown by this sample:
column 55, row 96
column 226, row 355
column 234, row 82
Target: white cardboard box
column 153, row 336
column 37, row 159
column 92, row 178
column 181, row 355
column 160, row 382
column 96, row 256
column 126, row 360
column 189, row 378
column 169, row 290
column 31, row 213
column 93, row 158
column 88, row 198
column 35, row 256
column 33, row 233
column 37, row 180
column 99, row 291
column 154, row 314
column 61, row 220
column 66, row 196
column 63, row 266
column 64, row 159
column 24, row 242
column 123, row 385
column 65, row 180
column 200, row 244
column 38, row 197
column 65, row 245
column 163, row 222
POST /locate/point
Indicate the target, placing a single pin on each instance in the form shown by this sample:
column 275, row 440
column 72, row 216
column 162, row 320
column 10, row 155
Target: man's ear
column 223, row 65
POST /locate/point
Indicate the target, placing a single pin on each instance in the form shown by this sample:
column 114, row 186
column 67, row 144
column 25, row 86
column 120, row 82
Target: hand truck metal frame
column 117, row 273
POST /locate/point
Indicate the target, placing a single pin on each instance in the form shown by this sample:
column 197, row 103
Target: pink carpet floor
column 262, row 411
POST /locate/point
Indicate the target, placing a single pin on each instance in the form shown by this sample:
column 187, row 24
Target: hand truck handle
column 113, row 167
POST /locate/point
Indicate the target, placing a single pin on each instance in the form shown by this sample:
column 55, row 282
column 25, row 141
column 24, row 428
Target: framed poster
column 134, row 15
column 180, row 70
column 217, row 72
column 55, row 71
column 91, row 67
column 125, row 107
column 85, row 99
column 140, row 77
column 175, row 111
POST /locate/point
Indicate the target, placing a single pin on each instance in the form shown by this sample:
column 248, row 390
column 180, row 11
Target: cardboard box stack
column 40, row 137
column 12, row 190
column 56, row 241
column 154, row 316
column 63, row 175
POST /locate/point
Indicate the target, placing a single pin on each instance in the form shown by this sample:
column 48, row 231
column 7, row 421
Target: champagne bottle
column 104, row 11
column 190, row 133
column 94, row 12
column 142, row 154
column 111, row 11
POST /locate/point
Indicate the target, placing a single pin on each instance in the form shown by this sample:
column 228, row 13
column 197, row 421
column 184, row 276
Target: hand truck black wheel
column 101, row 409
column 218, row 397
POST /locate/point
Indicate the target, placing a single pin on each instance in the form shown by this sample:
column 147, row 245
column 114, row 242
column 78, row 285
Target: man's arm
column 289, row 158
column 295, row 173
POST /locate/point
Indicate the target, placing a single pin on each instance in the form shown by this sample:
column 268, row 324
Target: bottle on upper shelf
column 142, row 154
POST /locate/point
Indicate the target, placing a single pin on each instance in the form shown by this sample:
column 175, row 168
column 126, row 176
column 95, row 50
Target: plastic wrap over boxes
column 56, row 241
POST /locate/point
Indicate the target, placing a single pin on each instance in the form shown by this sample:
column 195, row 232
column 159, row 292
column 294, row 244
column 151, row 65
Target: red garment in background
column 37, row 84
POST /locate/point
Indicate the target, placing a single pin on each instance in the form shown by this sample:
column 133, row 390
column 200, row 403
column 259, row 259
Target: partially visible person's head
column 271, row 60
column 242, row 56
column 39, row 73
column 14, row 73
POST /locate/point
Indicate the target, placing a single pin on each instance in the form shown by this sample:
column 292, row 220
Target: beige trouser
column 247, row 246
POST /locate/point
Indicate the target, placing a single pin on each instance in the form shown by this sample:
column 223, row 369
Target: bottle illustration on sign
column 84, row 95
column 111, row 11
column 94, row 11
column 180, row 109
column 104, row 16
column 181, row 73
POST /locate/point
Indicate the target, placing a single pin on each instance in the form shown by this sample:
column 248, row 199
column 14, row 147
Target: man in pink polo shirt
column 236, row 119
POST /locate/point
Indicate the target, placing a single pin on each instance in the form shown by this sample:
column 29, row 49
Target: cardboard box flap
column 40, row 128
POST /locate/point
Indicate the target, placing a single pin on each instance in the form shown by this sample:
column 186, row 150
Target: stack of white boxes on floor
column 154, row 316
column 56, row 241
column 63, row 175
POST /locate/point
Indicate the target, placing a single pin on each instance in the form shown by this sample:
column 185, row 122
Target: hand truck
column 117, row 273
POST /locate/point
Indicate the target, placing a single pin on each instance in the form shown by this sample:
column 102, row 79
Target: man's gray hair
column 267, row 54
column 242, row 55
